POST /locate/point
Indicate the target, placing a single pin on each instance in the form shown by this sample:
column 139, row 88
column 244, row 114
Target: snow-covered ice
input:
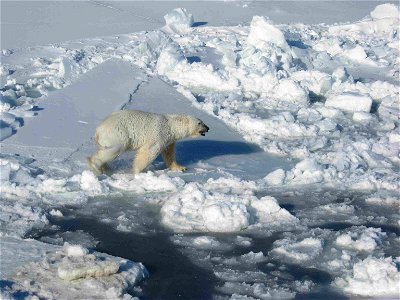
column 56, row 271
column 196, row 208
column 372, row 277
column 294, row 191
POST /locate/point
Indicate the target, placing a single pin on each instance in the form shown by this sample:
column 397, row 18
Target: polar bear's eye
column 199, row 123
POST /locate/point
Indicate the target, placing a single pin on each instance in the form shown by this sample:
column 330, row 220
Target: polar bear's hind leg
column 98, row 162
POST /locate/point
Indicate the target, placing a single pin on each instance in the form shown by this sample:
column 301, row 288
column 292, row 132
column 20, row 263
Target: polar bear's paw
column 93, row 166
column 177, row 168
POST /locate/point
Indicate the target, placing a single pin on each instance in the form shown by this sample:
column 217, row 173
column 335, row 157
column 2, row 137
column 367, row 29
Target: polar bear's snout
column 204, row 129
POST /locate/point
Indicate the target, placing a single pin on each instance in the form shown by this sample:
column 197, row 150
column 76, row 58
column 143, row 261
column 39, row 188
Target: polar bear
column 148, row 133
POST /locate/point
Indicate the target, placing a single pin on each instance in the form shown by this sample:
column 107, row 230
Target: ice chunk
column 225, row 217
column 5, row 171
column 179, row 20
column 75, row 250
column 331, row 45
column 372, row 277
column 362, row 117
column 308, row 171
column 262, row 32
column 50, row 186
column 197, row 209
column 384, row 19
column 302, row 251
column 276, row 177
column 268, row 211
column 91, row 185
column 394, row 137
column 54, row 273
column 386, row 10
column 206, row 242
column 84, row 267
column 340, row 74
column 147, row 53
column 383, row 200
column 358, row 54
column 290, row 91
column 169, row 58
column 366, row 241
column 56, row 213
column 65, row 67
column 351, row 102
column 315, row 81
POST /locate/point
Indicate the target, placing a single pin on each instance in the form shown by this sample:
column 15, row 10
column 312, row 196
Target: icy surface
column 293, row 192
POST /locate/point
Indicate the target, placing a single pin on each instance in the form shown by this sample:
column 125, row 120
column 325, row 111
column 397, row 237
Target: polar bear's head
column 184, row 126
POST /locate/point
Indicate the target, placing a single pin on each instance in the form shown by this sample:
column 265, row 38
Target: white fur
column 148, row 133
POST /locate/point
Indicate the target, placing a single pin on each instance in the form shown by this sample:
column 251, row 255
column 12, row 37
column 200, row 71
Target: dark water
column 172, row 274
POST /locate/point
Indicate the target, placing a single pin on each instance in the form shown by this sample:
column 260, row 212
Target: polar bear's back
column 132, row 128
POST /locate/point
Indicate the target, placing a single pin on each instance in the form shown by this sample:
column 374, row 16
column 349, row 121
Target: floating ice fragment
column 195, row 208
column 84, row 267
column 302, row 251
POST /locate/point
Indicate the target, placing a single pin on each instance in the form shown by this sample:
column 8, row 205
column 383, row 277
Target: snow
column 144, row 182
column 300, row 166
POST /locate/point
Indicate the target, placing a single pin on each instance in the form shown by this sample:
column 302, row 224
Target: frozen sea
column 292, row 194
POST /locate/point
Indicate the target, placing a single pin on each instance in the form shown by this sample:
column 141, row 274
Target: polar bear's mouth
column 204, row 130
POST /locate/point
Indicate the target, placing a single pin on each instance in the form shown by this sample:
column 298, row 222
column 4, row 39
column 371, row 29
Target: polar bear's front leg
column 144, row 156
column 169, row 157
